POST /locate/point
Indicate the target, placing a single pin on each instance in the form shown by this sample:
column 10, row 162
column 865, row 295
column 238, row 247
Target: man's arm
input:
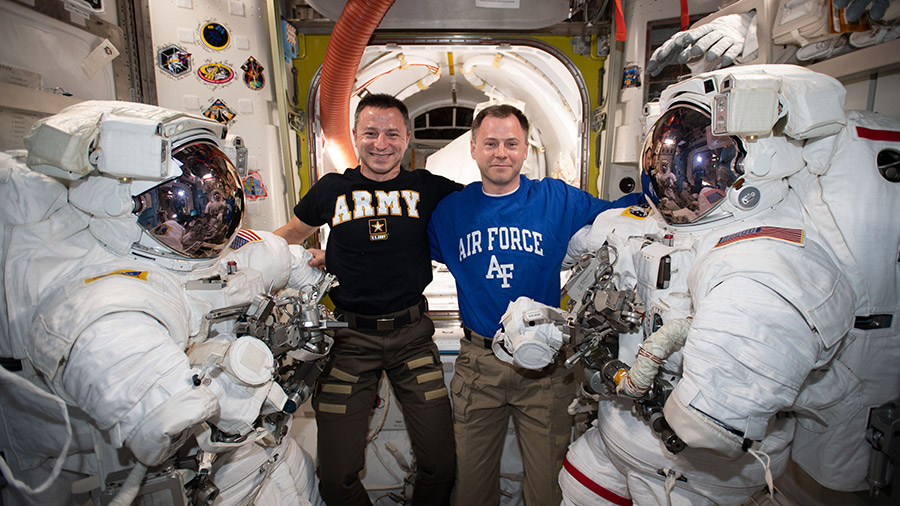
column 295, row 231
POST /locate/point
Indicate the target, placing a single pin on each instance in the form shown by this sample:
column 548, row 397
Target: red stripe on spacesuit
column 594, row 487
column 877, row 135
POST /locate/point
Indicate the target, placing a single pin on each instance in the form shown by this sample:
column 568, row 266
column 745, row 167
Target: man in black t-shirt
column 378, row 249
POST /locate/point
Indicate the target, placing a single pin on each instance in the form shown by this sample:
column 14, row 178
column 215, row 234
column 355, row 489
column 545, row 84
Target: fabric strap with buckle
column 389, row 321
column 477, row 338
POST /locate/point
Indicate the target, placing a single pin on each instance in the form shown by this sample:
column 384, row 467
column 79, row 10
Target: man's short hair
column 382, row 101
column 499, row 111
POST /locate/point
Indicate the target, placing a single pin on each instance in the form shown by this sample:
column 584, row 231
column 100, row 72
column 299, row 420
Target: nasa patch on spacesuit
column 636, row 212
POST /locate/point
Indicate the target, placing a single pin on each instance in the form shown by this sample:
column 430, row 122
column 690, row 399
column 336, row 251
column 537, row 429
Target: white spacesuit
column 111, row 349
column 754, row 296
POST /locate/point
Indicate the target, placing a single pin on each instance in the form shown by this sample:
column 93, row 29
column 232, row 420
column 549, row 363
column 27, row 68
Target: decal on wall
column 220, row 112
column 253, row 74
column 174, row 60
column 215, row 35
column 631, row 76
column 254, row 188
column 215, row 73
column 289, row 40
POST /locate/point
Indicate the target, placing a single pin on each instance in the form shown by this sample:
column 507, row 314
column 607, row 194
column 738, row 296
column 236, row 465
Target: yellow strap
column 343, row 376
column 429, row 376
column 339, row 409
column 434, row 394
column 337, row 389
column 419, row 362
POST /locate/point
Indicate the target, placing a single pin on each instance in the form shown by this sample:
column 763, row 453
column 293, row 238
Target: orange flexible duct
column 348, row 41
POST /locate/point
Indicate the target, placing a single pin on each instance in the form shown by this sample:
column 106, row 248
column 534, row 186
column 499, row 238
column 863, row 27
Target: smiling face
column 499, row 148
column 381, row 138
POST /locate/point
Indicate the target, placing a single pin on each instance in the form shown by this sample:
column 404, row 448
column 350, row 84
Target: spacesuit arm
column 128, row 374
column 302, row 274
column 747, row 354
column 280, row 264
column 591, row 237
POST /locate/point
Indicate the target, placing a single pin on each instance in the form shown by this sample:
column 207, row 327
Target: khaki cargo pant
column 485, row 392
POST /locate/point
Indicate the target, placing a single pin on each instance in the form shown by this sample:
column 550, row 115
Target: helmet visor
column 196, row 214
column 689, row 168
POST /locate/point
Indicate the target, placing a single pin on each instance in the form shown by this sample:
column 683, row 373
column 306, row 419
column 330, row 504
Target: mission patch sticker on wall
column 220, row 112
column 215, row 73
column 174, row 60
column 253, row 74
column 254, row 188
column 215, row 35
column 631, row 76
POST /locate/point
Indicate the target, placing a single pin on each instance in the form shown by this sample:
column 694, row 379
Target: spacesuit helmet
column 689, row 168
column 155, row 181
column 196, row 214
column 721, row 145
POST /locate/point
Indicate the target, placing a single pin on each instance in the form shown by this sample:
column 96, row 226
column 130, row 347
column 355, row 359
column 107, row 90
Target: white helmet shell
column 725, row 141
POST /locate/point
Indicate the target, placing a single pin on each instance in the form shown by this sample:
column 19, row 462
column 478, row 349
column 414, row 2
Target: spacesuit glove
column 722, row 37
column 165, row 428
column 698, row 430
column 856, row 8
column 670, row 52
column 652, row 354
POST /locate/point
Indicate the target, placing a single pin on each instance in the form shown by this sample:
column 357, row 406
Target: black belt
column 389, row 321
column 476, row 338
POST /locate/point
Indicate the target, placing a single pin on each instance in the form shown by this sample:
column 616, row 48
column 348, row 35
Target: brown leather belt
column 389, row 321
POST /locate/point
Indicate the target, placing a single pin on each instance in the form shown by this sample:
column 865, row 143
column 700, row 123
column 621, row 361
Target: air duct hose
column 342, row 56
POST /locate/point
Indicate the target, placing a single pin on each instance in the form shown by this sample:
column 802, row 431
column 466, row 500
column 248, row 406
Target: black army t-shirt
column 378, row 245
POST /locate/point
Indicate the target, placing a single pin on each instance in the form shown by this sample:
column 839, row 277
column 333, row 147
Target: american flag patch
column 243, row 237
column 792, row 235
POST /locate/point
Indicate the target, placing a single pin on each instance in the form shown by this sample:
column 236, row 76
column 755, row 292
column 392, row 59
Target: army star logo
column 378, row 229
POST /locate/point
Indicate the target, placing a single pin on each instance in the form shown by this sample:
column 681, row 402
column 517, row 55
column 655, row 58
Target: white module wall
column 203, row 51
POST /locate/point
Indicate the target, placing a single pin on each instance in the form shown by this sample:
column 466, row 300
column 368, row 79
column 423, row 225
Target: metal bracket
column 296, row 121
